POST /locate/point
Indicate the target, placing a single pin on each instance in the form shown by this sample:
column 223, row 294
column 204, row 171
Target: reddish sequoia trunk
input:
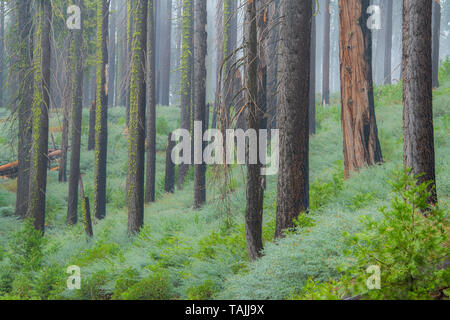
column 418, row 144
column 361, row 144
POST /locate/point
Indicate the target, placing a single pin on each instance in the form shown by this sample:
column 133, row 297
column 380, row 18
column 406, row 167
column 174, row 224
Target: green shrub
column 156, row 286
column 409, row 245
column 205, row 291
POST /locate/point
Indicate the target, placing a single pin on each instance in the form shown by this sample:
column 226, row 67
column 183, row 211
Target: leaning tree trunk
column 77, row 115
column 136, row 142
column 361, row 144
column 151, row 106
column 295, row 51
column 388, row 42
column 436, row 40
column 200, row 45
column 41, row 103
column 101, row 112
column 255, row 186
column 418, row 139
column 186, row 79
column 25, row 80
column 326, row 55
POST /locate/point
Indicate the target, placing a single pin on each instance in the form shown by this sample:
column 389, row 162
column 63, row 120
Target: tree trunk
column 312, row 81
column 112, row 54
column 255, row 187
column 136, row 142
column 39, row 144
column 361, row 144
column 272, row 68
column 2, row 49
column 165, row 85
column 295, row 51
column 86, row 209
column 326, row 56
column 388, row 42
column 62, row 174
column 436, row 41
column 25, row 80
column 130, row 4
column 77, row 115
column 91, row 137
column 418, row 135
column 101, row 112
column 186, row 78
column 200, row 47
column 169, row 184
column 151, row 106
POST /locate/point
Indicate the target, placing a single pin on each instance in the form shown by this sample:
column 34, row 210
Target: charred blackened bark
column 418, row 135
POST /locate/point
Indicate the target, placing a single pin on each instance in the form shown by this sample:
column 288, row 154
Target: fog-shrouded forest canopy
column 224, row 149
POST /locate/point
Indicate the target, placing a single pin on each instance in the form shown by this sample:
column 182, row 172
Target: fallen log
column 10, row 170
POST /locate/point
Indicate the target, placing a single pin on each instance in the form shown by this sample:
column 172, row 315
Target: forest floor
column 183, row 253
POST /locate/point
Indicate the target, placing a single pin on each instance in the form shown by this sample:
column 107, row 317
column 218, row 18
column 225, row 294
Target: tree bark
column 169, row 184
column 39, row 145
column 112, row 54
column 101, row 112
column 77, row 115
column 361, row 144
column 151, row 106
column 255, row 186
column 200, row 47
column 295, row 51
column 25, row 80
column 326, row 56
column 436, row 40
column 62, row 174
column 86, row 209
column 165, row 85
column 136, row 143
column 418, row 134
column 312, row 84
column 91, row 137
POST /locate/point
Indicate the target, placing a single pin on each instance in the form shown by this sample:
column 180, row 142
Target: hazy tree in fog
column 41, row 103
column 295, row 51
column 418, row 135
column 388, row 41
column 101, row 110
column 326, row 55
column 112, row 53
column 436, row 41
column 200, row 50
column 361, row 144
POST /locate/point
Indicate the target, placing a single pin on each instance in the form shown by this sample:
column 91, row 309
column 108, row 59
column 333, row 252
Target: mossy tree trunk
column 24, row 73
column 101, row 112
column 361, row 144
column 151, row 107
column 76, row 59
column 186, row 79
column 200, row 50
column 312, row 84
column 41, row 103
column 112, row 53
column 295, row 51
column 136, row 142
column 418, row 134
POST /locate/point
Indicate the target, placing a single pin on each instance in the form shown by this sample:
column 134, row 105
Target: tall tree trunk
column 130, row 4
column 25, row 99
column 200, row 47
column 136, row 142
column 165, row 86
column 62, row 174
column 326, row 55
column 91, row 136
column 272, row 68
column 39, row 145
column 112, row 53
column 2, row 49
column 169, row 183
column 151, row 106
column 295, row 51
column 388, row 42
column 312, row 81
column 436, row 41
column 77, row 115
column 361, row 144
column 255, row 186
column 101, row 112
column 186, row 79
column 418, row 135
